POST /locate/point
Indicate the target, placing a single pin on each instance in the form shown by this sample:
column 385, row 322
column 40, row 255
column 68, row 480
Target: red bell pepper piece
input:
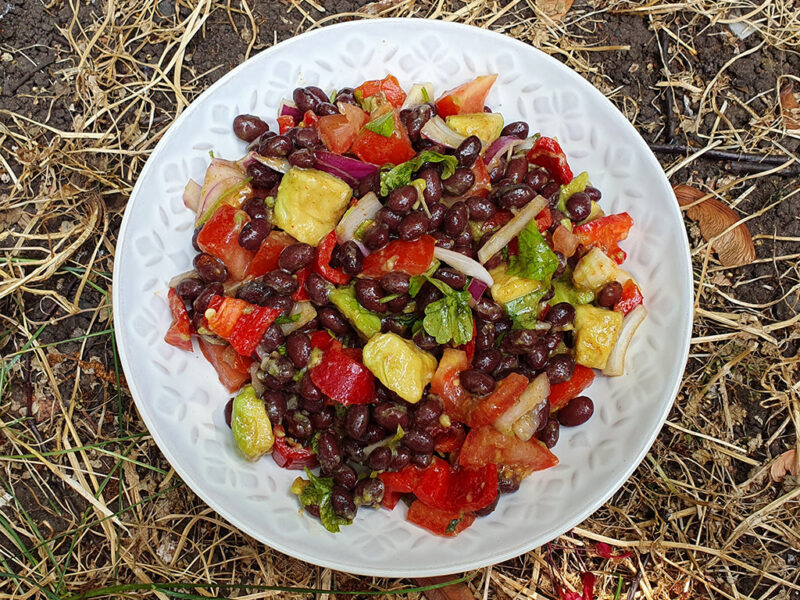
column 561, row 393
column 440, row 522
column 323, row 340
column 467, row 98
column 343, row 379
column 310, row 119
column 547, row 153
column 413, row 258
column 544, row 219
column 322, row 263
column 241, row 323
column 301, row 293
column 485, row 445
column 450, row 439
column 285, row 123
column 232, row 369
column 220, row 237
column 500, row 218
column 487, row 410
column 179, row 333
column 403, row 481
column 630, row 299
column 266, row 258
column 605, row 233
column 459, row 489
column 388, row 85
column 290, row 455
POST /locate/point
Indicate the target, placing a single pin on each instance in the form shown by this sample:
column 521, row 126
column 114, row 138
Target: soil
column 33, row 83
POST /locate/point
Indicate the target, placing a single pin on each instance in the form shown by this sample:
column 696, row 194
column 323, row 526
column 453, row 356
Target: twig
column 638, row 578
column 30, row 74
column 664, row 47
column 718, row 154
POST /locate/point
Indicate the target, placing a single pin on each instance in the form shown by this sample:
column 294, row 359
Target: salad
column 407, row 295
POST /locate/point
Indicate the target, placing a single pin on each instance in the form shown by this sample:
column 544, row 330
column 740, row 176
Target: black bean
column 189, row 289
column 275, row 404
column 253, row 233
column 487, row 361
column 537, row 356
column 307, row 138
column 256, row 208
column 329, row 453
column 419, row 441
column 549, row 433
column 517, row 196
column 228, row 412
column 309, row 391
column 272, row 339
column 305, row 99
column 576, row 412
column 477, row 382
column 455, row 219
column 353, row 449
column 551, row 191
column 375, row 433
column 494, row 261
column 210, row 268
column 468, row 151
column 437, row 210
column 262, row 176
column 488, row 310
column 317, row 289
column 376, row 236
column 579, row 206
column 400, row 460
column 280, row 145
column 485, row 336
column 507, row 365
column 520, row 341
column 312, row 509
column 380, row 458
column 370, row 183
column 298, row 348
column 442, row 240
column 393, row 325
column 428, row 293
column 369, row 294
column 427, row 412
column 560, row 368
column 552, row 339
column 346, row 95
column 518, row 129
column 593, row 193
column 421, row 459
column 455, row 279
column 369, row 492
column 481, row 209
column 357, row 420
column 610, row 294
column 398, row 304
column 295, row 257
column 459, row 182
column 281, row 282
column 536, row 179
column 487, row 510
column 345, row 476
column 395, row 282
column 390, row 415
column 248, row 127
column 325, row 109
column 541, row 414
column 195, row 245
column 562, row 264
column 561, row 314
column 498, row 170
column 433, row 185
column 201, row 302
column 416, row 119
column 332, row 319
column 507, row 483
column 465, row 249
column 297, row 424
column 413, row 226
column 389, row 218
column 516, row 169
column 254, row 292
column 425, row 341
column 402, row 199
column 342, row 503
column 302, row 158
column 351, row 258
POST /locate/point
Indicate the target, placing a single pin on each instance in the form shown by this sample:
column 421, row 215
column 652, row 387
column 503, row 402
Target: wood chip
column 790, row 107
column 785, row 464
column 735, row 248
column 555, row 9
column 459, row 591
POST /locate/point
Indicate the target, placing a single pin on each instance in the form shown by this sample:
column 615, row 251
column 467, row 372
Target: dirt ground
column 88, row 502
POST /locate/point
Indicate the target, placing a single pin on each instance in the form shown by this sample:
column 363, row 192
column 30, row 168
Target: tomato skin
column 440, row 522
column 631, row 297
column 338, row 132
column 457, row 489
column 412, row 258
column 547, row 153
column 220, row 237
column 374, row 148
column 291, row 457
column 605, row 233
column 266, row 257
column 486, row 445
column 322, row 262
column 310, row 119
column 285, row 123
column 449, row 440
column 343, row 378
column 241, row 323
column 544, row 219
column 487, row 410
column 500, row 218
column 467, row 98
column 397, row 483
column 179, row 333
column 388, row 85
column 445, row 384
column 232, row 369
column 562, row 393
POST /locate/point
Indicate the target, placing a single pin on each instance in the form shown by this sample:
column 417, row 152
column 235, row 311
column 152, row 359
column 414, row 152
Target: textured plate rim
column 687, row 292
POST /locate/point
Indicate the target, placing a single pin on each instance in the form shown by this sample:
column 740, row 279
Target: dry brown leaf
column 459, row 591
column 785, row 463
column 735, row 248
column 790, row 107
column 555, row 9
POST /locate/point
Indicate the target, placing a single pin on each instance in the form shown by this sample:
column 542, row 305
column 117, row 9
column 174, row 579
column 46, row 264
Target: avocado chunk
column 510, row 287
column 597, row 330
column 564, row 292
column 310, row 203
column 399, row 365
column 487, row 126
column 252, row 430
column 367, row 323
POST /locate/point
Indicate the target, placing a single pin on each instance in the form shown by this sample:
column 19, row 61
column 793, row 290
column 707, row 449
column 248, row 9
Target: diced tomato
column 412, row 258
column 500, row 218
column 547, row 153
column 460, row 489
column 449, row 440
column 290, row 455
column 440, row 522
column 631, row 297
column 403, row 481
column 544, row 219
column 561, row 393
column 377, row 149
column 301, row 293
column 232, row 369
column 285, row 123
column 338, row 132
column 488, row 409
column 605, row 233
column 179, row 333
column 445, row 384
column 323, row 340
column 266, row 258
column 343, row 378
column 482, row 185
column 390, row 499
column 467, row 98
column 310, row 119
column 322, row 262
column 388, row 85
column 220, row 237
column 486, row 445
column 241, row 323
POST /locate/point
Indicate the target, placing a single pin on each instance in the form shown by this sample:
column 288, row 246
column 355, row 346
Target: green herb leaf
column 535, row 259
column 451, row 526
column 450, row 318
column 416, row 282
column 318, row 491
column 283, row 319
column 425, row 95
column 330, row 520
column 524, row 310
column 401, row 174
column 383, row 125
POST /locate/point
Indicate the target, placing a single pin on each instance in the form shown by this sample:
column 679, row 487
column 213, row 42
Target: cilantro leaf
column 524, row 310
column 401, row 174
column 451, row 526
column 383, row 125
column 317, row 490
column 535, row 259
column 450, row 318
column 283, row 319
column 330, row 520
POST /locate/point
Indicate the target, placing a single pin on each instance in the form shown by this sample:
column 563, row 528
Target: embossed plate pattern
column 178, row 394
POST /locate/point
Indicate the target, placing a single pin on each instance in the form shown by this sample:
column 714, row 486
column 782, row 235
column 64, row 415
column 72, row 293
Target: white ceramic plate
column 182, row 402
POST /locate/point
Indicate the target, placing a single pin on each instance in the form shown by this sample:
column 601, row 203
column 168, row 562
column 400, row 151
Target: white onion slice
column 536, row 392
column 416, row 97
column 281, row 165
column 616, row 360
column 464, row 264
column 180, row 277
column 364, row 210
column 306, row 311
column 437, row 131
column 192, row 195
column 510, row 230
